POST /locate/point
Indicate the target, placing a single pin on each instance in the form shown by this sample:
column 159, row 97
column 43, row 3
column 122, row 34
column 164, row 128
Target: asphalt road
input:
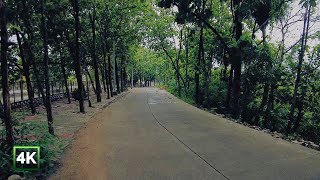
column 150, row 134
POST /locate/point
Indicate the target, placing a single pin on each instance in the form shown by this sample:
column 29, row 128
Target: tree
column 77, row 60
column 46, row 68
column 4, row 74
column 94, row 54
column 304, row 38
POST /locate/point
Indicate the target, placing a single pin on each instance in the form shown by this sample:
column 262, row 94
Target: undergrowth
column 31, row 133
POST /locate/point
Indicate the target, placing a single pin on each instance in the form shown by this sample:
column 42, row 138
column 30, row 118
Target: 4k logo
column 26, row 158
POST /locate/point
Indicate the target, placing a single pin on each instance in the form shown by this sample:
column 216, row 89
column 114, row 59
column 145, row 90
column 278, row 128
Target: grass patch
column 32, row 133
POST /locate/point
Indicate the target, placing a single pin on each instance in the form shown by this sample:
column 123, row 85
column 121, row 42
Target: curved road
column 150, row 134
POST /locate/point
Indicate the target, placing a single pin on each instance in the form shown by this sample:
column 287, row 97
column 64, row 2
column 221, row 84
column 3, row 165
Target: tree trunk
column 30, row 54
column 267, row 120
column 197, row 73
column 106, row 74
column 26, row 73
column 35, row 70
column 131, row 78
column 95, row 61
column 46, row 68
column 109, row 74
column 178, row 78
column 90, row 78
column 267, row 83
column 300, row 109
column 237, row 63
column 263, row 102
column 77, row 60
column 304, row 87
column 103, row 78
column 125, row 75
column 187, row 59
column 88, row 90
column 122, row 73
column 4, row 74
column 229, row 93
column 299, row 68
column 65, row 77
column 117, row 75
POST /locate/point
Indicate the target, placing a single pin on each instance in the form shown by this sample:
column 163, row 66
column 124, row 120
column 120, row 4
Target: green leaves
column 305, row 3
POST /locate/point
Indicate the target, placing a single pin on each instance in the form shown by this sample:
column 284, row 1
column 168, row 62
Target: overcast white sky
column 295, row 30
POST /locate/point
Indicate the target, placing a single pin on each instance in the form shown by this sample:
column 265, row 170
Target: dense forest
column 256, row 61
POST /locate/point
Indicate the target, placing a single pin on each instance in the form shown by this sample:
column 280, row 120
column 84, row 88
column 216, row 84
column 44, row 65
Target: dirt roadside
column 85, row 137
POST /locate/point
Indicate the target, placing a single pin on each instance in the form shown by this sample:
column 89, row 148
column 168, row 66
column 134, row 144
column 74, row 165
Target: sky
column 296, row 28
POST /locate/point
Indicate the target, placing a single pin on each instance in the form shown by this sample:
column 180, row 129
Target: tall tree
column 4, row 74
column 26, row 73
column 236, row 61
column 304, row 38
column 94, row 54
column 46, row 68
column 77, row 60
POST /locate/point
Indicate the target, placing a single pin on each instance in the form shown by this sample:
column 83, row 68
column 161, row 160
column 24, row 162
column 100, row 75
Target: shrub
column 75, row 94
column 310, row 132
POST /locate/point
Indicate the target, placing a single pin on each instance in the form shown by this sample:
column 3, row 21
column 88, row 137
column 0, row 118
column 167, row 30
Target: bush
column 310, row 132
column 75, row 94
column 32, row 133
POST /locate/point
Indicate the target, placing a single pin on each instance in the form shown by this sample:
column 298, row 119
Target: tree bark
column 304, row 87
column 95, row 61
column 263, row 102
column 77, row 61
column 117, row 75
column 270, row 103
column 125, row 75
column 237, row 63
column 106, row 73
column 46, row 68
column 177, row 63
column 103, row 78
column 4, row 74
column 299, row 68
column 35, row 69
column 207, row 79
column 109, row 74
column 267, row 83
column 65, row 77
column 187, row 59
column 88, row 90
column 122, row 72
column 90, row 78
column 229, row 93
column 30, row 53
column 197, row 68
column 26, row 73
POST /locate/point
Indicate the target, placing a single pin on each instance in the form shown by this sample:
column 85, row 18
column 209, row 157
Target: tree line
column 240, row 59
column 50, row 40
column 235, row 57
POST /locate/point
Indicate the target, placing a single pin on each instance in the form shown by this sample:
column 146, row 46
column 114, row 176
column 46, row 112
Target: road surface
column 149, row 134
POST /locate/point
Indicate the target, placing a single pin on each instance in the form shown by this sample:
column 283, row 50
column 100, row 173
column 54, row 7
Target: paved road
column 152, row 135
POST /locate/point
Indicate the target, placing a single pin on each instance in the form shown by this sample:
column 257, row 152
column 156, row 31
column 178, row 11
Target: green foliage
column 75, row 94
column 310, row 132
column 32, row 133
column 149, row 46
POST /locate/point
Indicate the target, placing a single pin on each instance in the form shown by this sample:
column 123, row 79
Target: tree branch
column 214, row 31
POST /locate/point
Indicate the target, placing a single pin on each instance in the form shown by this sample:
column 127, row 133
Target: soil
column 81, row 159
column 84, row 138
